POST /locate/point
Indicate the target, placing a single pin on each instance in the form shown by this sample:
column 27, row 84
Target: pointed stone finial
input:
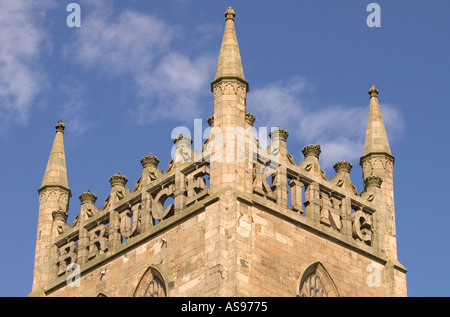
column 150, row 160
column 88, row 197
column 279, row 134
column 373, row 91
column 182, row 140
column 118, row 179
column 56, row 170
column 311, row 150
column 342, row 166
column 230, row 14
column 60, row 126
column 229, row 65
column 376, row 138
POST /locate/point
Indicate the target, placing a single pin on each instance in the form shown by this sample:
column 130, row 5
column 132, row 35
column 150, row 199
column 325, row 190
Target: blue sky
column 137, row 69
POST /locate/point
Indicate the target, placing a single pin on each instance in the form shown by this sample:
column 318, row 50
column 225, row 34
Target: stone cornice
column 230, row 78
column 368, row 155
column 55, row 186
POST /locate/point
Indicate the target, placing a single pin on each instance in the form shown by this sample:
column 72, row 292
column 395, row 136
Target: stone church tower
column 235, row 219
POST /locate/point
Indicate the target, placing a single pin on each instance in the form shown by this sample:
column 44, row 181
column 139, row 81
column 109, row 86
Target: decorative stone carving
column 88, row 208
column 60, row 215
column 230, row 14
column 211, row 121
column 312, row 150
column 150, row 160
column 127, row 228
column 52, row 196
column 67, row 255
column 296, row 188
column 313, row 287
column 343, row 166
column 196, row 185
column 183, row 151
column 88, row 197
column 330, row 214
column 158, row 201
column 316, row 282
column 151, row 285
column 278, row 134
column 98, row 241
column 373, row 91
column 118, row 189
column 260, row 184
column 60, row 126
column 229, row 87
column 150, row 171
column 362, row 226
column 342, row 178
column 311, row 162
column 372, row 181
column 118, row 179
column 60, row 220
column 249, row 118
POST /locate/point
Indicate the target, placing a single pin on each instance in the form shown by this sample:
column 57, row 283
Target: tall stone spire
column 229, row 121
column 54, row 197
column 56, row 171
column 229, row 65
column 377, row 163
column 376, row 137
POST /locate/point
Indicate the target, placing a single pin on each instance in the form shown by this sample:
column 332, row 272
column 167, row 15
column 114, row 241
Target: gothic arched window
column 152, row 284
column 316, row 282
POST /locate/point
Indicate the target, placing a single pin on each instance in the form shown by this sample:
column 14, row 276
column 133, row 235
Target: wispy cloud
column 22, row 42
column 74, row 108
column 339, row 129
column 167, row 82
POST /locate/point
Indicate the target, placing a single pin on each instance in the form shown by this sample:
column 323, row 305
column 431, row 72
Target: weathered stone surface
column 235, row 225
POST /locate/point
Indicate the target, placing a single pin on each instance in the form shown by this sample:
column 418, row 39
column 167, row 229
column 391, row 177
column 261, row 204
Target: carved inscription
column 98, row 241
column 330, row 214
column 127, row 228
column 196, row 185
column 67, row 255
column 362, row 226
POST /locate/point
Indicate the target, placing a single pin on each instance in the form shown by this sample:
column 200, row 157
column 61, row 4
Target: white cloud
column 178, row 83
column 74, row 107
column 339, row 129
column 22, row 42
column 167, row 82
